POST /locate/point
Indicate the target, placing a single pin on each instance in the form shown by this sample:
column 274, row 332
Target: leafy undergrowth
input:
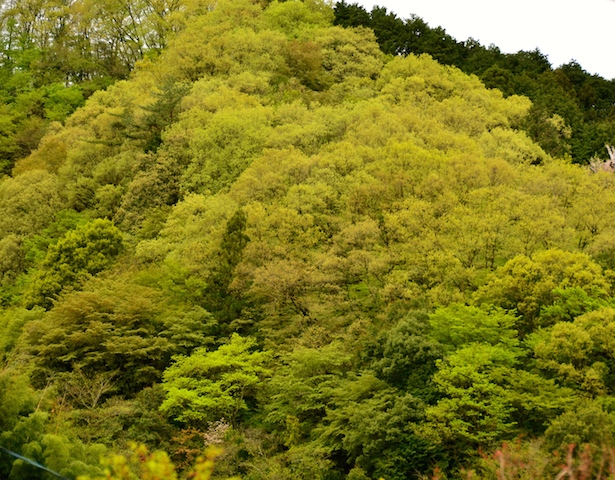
column 142, row 464
column 528, row 460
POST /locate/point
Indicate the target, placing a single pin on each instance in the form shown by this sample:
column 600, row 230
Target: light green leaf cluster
column 219, row 385
column 457, row 326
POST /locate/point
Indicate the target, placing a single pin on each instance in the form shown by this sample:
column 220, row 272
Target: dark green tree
column 219, row 298
column 80, row 254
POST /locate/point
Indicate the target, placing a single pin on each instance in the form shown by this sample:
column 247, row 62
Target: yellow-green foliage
column 356, row 260
column 141, row 464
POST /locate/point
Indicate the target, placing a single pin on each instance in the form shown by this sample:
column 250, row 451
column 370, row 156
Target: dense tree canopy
column 572, row 111
column 262, row 226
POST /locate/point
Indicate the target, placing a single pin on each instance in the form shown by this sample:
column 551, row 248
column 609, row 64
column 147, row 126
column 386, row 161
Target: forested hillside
column 572, row 111
column 55, row 53
column 254, row 229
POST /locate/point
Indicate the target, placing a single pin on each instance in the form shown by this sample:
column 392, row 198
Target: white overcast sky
column 583, row 30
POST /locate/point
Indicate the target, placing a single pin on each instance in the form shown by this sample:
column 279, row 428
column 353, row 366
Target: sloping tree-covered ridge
column 332, row 263
column 572, row 112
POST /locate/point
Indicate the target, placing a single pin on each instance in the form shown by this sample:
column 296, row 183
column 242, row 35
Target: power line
column 33, row 463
